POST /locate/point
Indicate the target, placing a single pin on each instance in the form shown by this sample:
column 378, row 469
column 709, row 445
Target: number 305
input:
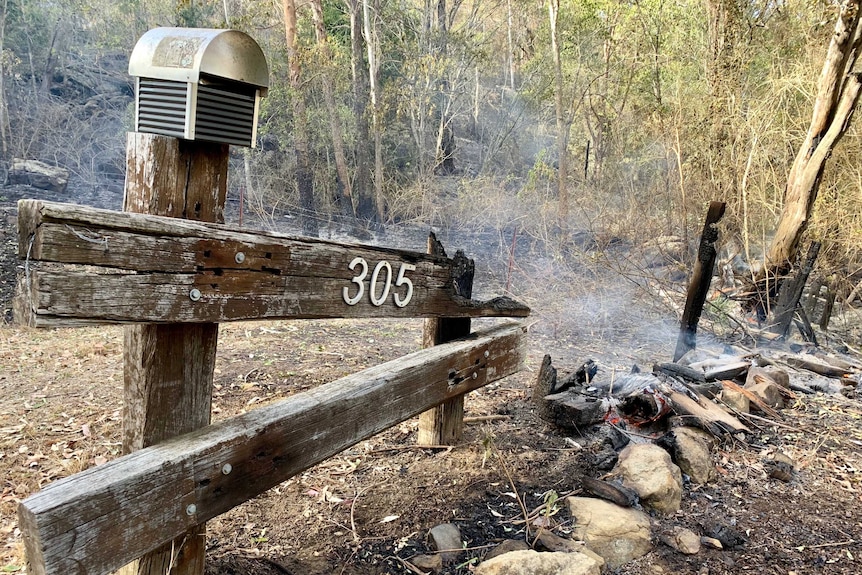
column 378, row 294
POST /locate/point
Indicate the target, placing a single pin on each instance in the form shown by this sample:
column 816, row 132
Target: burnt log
column 700, row 281
column 791, row 292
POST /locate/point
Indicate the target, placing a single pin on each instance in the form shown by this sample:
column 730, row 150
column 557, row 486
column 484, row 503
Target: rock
column 771, row 373
column 554, row 543
column 38, row 174
column 433, row 563
column 664, row 250
column 507, row 546
column 690, row 449
column 446, row 539
column 780, row 467
column 534, row 563
column 735, row 400
column 711, row 542
column 768, row 392
column 649, row 471
column 616, row 534
column 683, row 540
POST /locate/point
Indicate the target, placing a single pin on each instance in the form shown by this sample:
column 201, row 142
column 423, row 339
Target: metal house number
column 378, row 294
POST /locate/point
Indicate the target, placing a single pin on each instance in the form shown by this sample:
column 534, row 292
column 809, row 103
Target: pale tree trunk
column 345, row 191
column 510, row 45
column 562, row 127
column 4, row 109
column 726, row 37
column 365, row 208
column 373, row 45
column 445, row 155
column 300, row 124
column 837, row 94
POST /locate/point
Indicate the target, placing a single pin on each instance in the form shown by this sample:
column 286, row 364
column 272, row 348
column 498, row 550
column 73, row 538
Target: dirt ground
column 368, row 510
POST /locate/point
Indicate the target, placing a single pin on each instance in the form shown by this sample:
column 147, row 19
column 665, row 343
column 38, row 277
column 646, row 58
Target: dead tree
column 837, row 94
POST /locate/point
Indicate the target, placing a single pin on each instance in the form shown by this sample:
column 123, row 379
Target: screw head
column 226, row 468
column 191, row 509
column 195, row 294
column 239, row 257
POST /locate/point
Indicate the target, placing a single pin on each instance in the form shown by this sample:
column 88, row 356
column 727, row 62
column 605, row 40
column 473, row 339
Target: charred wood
column 613, row 492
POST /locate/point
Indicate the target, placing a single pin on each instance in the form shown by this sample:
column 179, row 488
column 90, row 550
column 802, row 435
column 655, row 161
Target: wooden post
column 168, row 369
column 701, row 278
column 791, row 292
column 443, row 425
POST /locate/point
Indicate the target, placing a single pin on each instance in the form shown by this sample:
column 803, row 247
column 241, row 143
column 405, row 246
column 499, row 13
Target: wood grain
column 81, row 524
column 444, row 423
column 86, row 265
column 168, row 368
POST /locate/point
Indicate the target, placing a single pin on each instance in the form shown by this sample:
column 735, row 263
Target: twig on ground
column 484, row 418
column 410, row 566
column 822, row 545
column 517, row 495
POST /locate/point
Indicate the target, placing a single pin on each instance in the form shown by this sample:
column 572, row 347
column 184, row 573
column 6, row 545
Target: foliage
column 661, row 123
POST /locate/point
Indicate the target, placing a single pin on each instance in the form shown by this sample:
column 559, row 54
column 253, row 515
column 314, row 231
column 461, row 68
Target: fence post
column 168, row 369
column 444, row 424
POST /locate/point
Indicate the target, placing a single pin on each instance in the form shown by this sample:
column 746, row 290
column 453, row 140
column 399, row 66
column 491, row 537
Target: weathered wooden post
column 168, row 368
column 444, row 424
column 186, row 88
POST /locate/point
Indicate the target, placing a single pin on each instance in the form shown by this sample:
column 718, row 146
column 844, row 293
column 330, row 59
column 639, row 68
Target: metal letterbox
column 199, row 84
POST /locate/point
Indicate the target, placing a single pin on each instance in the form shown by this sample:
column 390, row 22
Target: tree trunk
column 445, row 154
column 308, row 209
column 345, row 190
column 362, row 181
column 562, row 127
column 373, row 45
column 4, row 109
column 837, row 94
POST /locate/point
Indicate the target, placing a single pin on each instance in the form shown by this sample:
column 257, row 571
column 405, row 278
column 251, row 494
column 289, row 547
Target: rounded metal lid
column 183, row 54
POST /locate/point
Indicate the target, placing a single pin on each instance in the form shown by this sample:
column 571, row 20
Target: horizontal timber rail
column 104, row 517
column 89, row 266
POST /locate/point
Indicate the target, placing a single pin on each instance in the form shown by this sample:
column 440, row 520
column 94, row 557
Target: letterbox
column 199, row 84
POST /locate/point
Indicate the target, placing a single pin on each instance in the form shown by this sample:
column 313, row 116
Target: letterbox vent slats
column 162, row 106
column 225, row 115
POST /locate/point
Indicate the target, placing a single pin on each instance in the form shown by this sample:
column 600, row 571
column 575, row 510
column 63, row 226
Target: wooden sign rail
column 156, row 269
column 81, row 524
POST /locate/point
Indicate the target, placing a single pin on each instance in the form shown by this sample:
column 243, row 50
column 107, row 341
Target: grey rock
column 507, row 546
column 617, row 534
column 38, row 174
column 534, row 563
column 683, row 540
column 446, row 539
column 649, row 471
column 691, row 451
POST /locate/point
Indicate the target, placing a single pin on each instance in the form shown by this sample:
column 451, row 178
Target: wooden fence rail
column 98, row 520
